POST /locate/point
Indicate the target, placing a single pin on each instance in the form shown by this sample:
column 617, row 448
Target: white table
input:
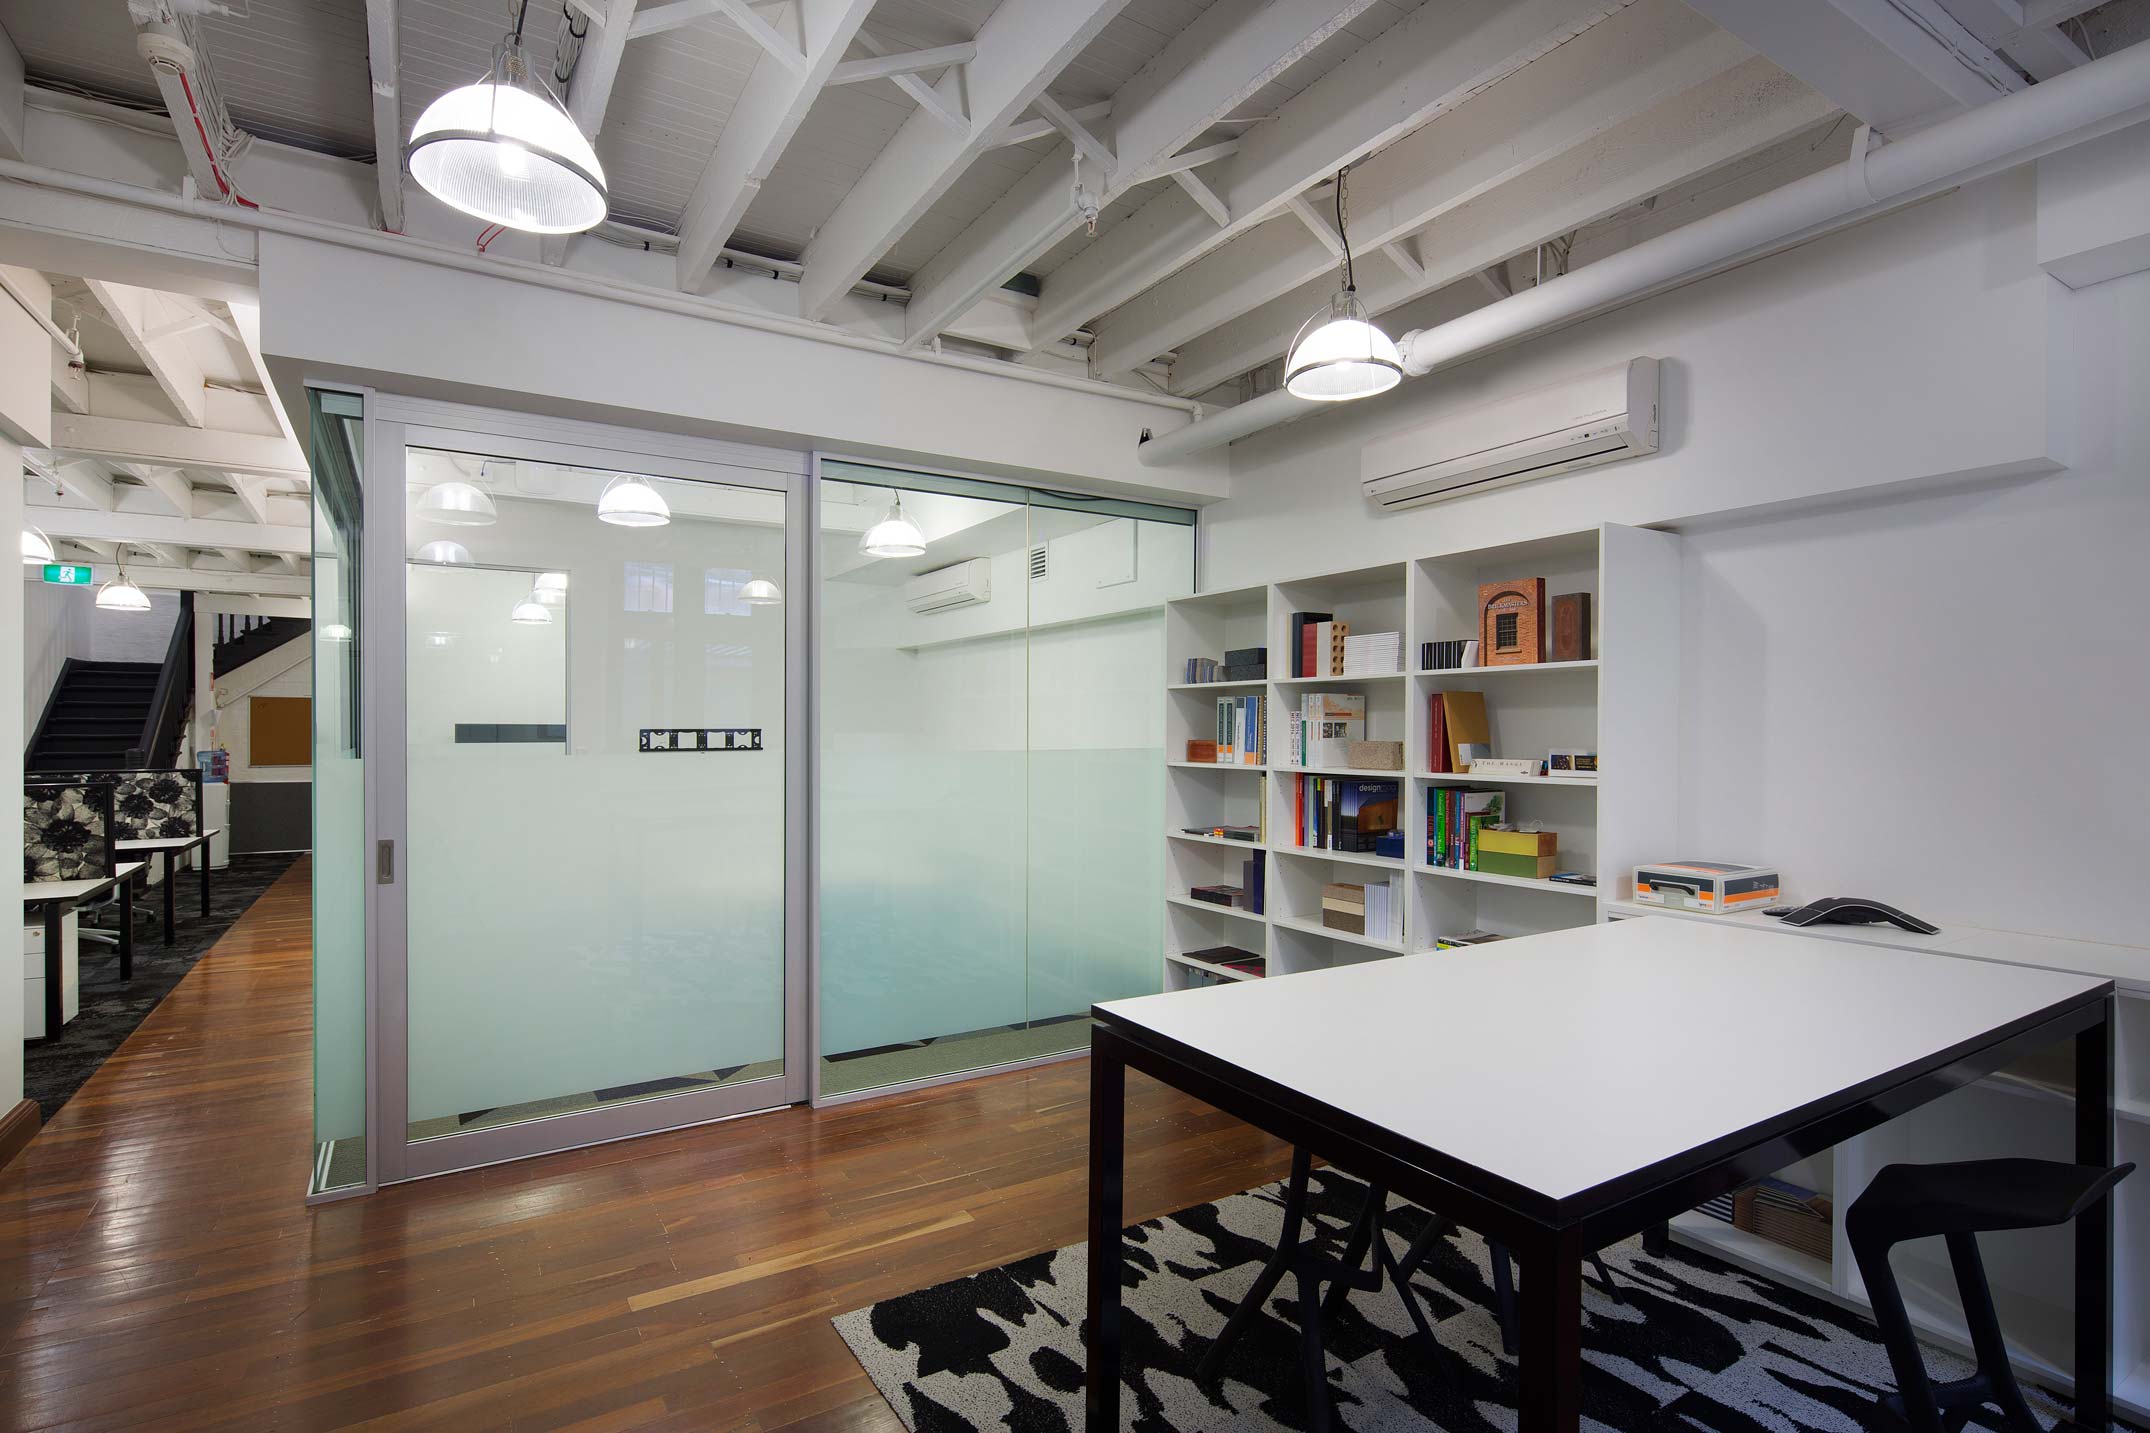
column 172, row 848
column 1562, row 1092
column 55, row 899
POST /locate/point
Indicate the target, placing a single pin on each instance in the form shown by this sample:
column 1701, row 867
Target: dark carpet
column 111, row 1009
column 1692, row 1344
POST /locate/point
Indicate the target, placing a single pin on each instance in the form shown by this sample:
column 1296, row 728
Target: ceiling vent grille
column 1038, row 562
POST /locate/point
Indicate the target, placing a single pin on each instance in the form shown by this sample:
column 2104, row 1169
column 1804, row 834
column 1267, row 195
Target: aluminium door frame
column 395, row 423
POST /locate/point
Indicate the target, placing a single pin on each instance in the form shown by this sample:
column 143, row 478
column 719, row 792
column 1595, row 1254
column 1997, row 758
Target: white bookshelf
column 1621, row 702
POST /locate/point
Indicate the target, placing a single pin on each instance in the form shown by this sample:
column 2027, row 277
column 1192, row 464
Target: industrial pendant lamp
column 531, row 613
column 894, row 535
column 631, row 502
column 335, row 632
column 36, row 547
column 761, row 592
column 121, row 595
column 550, row 589
column 443, row 553
column 505, row 150
column 1339, row 354
column 456, row 503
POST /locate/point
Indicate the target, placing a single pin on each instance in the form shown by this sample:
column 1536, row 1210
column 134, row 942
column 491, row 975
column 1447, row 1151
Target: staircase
column 240, row 640
column 96, row 714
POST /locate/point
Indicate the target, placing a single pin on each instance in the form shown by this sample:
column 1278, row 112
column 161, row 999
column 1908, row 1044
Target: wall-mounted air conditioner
column 1600, row 417
column 961, row 585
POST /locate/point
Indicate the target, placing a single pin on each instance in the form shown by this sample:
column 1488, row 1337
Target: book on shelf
column 1242, row 730
column 1243, row 664
column 1343, row 907
column 1302, row 642
column 1372, row 654
column 1249, row 834
column 1476, row 937
column 1199, row 670
column 1449, row 656
column 1231, row 957
column 1217, row 895
column 1455, row 816
column 1358, row 816
column 1320, row 732
column 1252, row 883
column 1371, row 908
column 1457, row 731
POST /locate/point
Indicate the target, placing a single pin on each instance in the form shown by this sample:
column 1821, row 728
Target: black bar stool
column 1959, row 1202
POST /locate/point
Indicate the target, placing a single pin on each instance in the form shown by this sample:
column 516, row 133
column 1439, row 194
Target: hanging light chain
column 1343, row 228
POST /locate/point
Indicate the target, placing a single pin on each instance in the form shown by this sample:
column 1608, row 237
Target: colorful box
column 1507, row 863
column 1519, row 843
column 1716, row 886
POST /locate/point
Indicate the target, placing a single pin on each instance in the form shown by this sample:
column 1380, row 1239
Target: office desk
column 1562, row 1092
column 55, row 899
column 173, row 847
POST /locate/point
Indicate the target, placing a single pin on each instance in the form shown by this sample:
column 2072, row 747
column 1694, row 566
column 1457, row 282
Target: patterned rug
column 110, row 1009
column 1695, row 1344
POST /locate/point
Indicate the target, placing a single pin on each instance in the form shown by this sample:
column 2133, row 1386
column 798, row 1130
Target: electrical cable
column 1343, row 230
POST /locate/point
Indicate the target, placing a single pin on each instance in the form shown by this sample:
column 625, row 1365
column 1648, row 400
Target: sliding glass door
column 990, row 768
column 597, row 926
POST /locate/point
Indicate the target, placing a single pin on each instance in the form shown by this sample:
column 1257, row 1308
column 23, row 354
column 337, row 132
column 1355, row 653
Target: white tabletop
column 1561, row 1061
column 37, row 892
column 168, row 843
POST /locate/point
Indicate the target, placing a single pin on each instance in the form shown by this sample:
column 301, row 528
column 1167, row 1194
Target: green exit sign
column 68, row 574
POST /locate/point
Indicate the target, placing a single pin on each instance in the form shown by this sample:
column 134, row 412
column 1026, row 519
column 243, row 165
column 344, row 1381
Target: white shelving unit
column 1622, row 702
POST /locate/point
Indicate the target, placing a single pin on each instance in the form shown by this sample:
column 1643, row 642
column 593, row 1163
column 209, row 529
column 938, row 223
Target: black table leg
column 55, row 972
column 201, row 854
column 1549, row 1369
column 126, row 929
column 2094, row 1228
column 1108, row 1156
column 1657, row 1240
column 171, row 921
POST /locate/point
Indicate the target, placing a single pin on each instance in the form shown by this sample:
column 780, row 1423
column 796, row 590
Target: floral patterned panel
column 64, row 832
column 154, row 804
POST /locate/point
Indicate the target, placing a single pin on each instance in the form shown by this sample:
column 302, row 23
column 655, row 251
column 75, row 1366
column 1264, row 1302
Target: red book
column 1437, row 735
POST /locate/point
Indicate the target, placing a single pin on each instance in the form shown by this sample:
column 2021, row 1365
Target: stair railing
column 175, row 689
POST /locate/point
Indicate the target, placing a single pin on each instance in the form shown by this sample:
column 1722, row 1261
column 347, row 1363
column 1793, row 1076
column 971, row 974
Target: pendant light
column 550, row 589
column 456, row 503
column 36, row 547
column 443, row 553
column 531, row 613
column 631, row 502
column 121, row 595
column 506, row 151
column 1339, row 354
column 761, row 592
column 335, row 632
column 894, row 535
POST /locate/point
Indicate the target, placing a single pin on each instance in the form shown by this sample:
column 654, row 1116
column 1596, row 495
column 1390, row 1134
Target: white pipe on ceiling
column 2095, row 99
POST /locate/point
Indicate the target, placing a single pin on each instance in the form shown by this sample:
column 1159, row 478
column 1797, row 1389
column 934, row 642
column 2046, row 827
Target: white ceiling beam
column 1075, row 131
column 290, row 563
column 1870, row 57
column 253, row 494
column 198, row 579
column 2044, row 50
column 1030, row 130
column 947, row 107
column 1316, row 224
column 1403, row 253
column 134, row 312
column 70, row 383
column 1493, row 278
column 86, row 480
column 589, row 92
column 237, row 557
column 1615, row 70
column 1212, row 66
column 169, row 484
column 1741, row 113
column 246, row 318
column 384, row 62
column 1191, row 184
column 206, row 533
column 770, row 109
column 105, row 550
column 124, row 440
column 903, row 62
column 1188, row 159
column 1433, row 59
column 1022, row 47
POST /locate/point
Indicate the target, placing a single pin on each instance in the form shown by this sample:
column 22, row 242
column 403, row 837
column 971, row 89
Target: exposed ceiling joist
column 1192, row 186
column 589, row 92
column 1031, row 130
column 1432, row 59
column 1075, row 131
column 169, row 484
column 1023, row 46
column 1871, row 57
column 944, row 105
column 1188, row 159
column 84, row 479
column 1610, row 73
column 1230, row 51
column 209, row 534
column 1750, row 108
column 253, row 495
column 902, row 62
column 2044, row 50
column 384, row 59
column 246, row 318
column 202, row 579
column 124, row 440
column 136, row 313
column 770, row 110
column 774, row 42
column 70, row 382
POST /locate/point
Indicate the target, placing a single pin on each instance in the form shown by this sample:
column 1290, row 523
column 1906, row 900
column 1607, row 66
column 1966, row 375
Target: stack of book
column 1332, row 813
column 1231, row 957
column 1476, row 937
column 1321, row 731
column 1317, row 644
column 1374, row 908
column 1506, row 851
column 1243, row 664
column 1786, row 1214
column 1242, row 730
column 1217, row 895
column 1372, row 654
column 1455, row 816
column 1448, row 656
column 1200, row 670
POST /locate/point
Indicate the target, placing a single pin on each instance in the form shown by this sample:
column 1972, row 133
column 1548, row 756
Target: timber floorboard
column 160, row 1269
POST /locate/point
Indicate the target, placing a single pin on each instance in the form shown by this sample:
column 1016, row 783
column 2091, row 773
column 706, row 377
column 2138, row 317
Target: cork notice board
column 280, row 731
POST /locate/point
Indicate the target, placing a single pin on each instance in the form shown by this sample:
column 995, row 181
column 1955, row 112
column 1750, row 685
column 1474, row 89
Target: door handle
column 384, row 863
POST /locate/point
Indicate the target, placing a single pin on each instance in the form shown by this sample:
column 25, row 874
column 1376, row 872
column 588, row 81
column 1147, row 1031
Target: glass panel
column 596, row 794
column 991, row 771
column 339, row 814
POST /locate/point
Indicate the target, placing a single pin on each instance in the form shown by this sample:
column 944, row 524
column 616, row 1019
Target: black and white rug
column 1695, row 1344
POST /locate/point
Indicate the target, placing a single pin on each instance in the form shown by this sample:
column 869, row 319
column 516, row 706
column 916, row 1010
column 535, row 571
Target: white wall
column 1923, row 693
column 55, row 627
column 234, row 724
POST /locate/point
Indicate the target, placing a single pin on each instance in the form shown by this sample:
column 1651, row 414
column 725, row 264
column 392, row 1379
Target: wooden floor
column 158, row 1268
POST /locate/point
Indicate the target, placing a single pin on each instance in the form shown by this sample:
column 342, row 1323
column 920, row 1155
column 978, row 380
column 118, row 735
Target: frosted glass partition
column 595, row 914
column 339, row 815
column 991, row 770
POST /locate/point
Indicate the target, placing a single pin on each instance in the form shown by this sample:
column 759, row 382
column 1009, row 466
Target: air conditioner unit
column 962, row 585
column 1600, row 417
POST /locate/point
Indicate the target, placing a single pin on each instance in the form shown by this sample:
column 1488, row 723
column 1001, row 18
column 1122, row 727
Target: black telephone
column 1851, row 910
